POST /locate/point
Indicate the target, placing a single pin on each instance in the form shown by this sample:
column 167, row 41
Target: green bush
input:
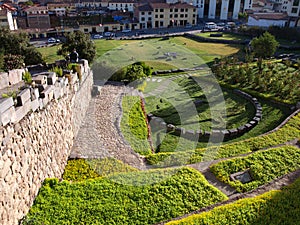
column 27, row 77
column 102, row 201
column 273, row 207
column 57, row 70
column 264, row 166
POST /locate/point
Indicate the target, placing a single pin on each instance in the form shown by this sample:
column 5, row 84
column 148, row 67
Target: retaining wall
column 37, row 145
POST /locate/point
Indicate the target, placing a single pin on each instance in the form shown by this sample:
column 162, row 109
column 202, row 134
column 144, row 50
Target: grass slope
column 273, row 207
column 101, row 201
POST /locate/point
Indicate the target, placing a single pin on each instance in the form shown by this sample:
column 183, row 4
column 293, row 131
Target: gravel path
column 99, row 135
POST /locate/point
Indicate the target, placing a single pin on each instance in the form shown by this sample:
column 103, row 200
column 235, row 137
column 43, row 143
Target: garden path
column 99, row 135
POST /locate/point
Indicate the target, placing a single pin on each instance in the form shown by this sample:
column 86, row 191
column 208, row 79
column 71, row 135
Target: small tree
column 264, row 46
column 81, row 42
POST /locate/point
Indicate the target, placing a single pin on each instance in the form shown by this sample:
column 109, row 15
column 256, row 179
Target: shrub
column 57, row 70
column 13, row 62
column 27, row 77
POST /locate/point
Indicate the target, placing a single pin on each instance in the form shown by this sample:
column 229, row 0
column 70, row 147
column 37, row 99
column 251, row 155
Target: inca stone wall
column 37, row 147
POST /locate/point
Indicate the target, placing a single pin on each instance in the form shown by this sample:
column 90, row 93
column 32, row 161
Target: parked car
column 126, row 30
column 97, row 36
column 210, row 25
column 108, row 34
column 53, row 40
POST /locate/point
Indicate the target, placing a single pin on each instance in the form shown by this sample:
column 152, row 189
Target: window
column 176, row 10
column 186, row 15
column 161, row 23
column 294, row 10
column 149, row 13
column 150, row 18
column 161, row 10
column 296, row 3
column 171, row 15
column 143, row 13
column 171, row 10
column 156, row 10
column 181, row 10
column 194, row 10
column 176, row 15
column 161, row 16
column 186, row 10
column 156, row 16
column 143, row 19
column 181, row 15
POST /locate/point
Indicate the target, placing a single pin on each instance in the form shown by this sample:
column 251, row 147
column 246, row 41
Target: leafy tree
column 13, row 62
column 132, row 72
column 81, row 42
column 264, row 46
column 17, row 44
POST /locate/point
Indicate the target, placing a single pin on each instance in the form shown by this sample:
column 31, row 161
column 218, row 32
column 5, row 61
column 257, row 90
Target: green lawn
column 225, row 36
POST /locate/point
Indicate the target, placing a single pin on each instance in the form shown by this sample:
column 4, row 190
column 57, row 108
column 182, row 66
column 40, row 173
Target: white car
column 126, row 31
column 51, row 40
column 97, row 36
column 108, row 34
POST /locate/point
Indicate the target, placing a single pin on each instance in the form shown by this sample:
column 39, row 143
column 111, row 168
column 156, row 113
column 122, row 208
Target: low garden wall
column 227, row 133
column 36, row 136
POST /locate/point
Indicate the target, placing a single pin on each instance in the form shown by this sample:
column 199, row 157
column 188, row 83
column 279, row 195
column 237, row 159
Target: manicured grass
column 264, row 166
column 102, row 201
column 174, row 104
column 207, row 51
column 288, row 132
column 225, row 36
column 273, row 207
column 49, row 53
column 133, row 125
column 82, row 169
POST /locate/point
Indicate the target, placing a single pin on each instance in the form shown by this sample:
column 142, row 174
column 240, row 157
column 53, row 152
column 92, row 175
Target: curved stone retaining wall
column 37, row 146
column 228, row 133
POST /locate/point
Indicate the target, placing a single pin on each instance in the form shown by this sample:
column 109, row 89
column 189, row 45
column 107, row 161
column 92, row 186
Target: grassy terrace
column 273, row 207
column 264, row 166
column 108, row 201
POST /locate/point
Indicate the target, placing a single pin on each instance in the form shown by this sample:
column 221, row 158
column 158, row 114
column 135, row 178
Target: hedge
column 102, row 201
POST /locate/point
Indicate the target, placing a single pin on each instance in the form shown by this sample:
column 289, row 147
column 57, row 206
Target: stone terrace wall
column 38, row 147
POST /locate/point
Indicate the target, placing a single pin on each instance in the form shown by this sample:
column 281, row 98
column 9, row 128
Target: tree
column 264, row 46
column 17, row 46
column 81, row 42
column 132, row 72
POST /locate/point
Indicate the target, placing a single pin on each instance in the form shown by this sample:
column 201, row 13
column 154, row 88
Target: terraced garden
column 107, row 191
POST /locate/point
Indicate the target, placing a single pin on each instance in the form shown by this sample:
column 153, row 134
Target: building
column 6, row 17
column 37, row 17
column 172, row 15
column 268, row 19
column 121, row 5
column 144, row 14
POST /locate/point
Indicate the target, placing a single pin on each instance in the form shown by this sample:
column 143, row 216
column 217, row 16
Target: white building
column 6, row 18
column 220, row 9
column 121, row 5
column 268, row 19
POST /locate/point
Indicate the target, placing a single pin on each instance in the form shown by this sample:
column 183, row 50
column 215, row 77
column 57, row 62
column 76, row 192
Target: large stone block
column 23, row 97
column 40, row 79
column 15, row 76
column 51, row 77
column 4, row 80
column 5, row 104
column 21, row 111
column 35, row 104
column 7, row 116
column 34, row 93
column 47, row 92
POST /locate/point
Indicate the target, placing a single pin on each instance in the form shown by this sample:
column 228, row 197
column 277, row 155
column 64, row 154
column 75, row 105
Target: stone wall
column 38, row 146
